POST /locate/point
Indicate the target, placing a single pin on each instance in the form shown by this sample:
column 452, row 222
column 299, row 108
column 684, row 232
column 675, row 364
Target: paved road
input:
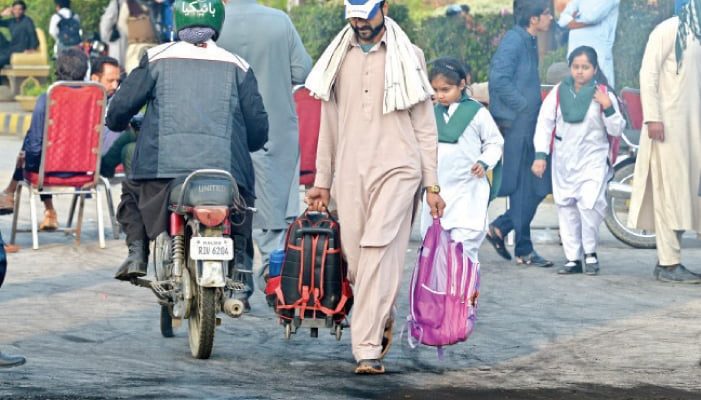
column 539, row 336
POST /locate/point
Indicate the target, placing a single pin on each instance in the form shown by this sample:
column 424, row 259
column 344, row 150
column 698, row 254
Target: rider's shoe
column 135, row 264
column 7, row 361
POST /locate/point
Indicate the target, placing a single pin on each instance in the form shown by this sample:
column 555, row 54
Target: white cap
column 364, row 9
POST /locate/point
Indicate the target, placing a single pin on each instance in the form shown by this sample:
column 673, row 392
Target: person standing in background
column 110, row 32
column 514, row 101
column 267, row 40
column 593, row 23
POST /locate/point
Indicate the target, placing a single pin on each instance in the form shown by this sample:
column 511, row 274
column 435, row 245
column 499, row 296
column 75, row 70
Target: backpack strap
column 614, row 141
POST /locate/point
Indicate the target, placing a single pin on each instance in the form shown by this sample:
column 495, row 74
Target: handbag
column 140, row 29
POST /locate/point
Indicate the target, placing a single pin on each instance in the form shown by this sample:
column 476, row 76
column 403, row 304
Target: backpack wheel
column 288, row 331
column 314, row 332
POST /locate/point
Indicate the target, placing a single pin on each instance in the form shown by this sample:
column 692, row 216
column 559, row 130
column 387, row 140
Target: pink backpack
column 443, row 292
column 614, row 141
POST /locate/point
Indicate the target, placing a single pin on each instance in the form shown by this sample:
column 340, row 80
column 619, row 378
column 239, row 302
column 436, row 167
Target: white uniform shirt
column 580, row 160
column 466, row 196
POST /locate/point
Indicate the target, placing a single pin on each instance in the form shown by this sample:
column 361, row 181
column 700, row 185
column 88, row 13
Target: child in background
column 469, row 144
column 574, row 122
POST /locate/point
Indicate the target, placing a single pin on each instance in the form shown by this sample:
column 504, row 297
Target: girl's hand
column 477, row 170
column 602, row 98
column 538, row 167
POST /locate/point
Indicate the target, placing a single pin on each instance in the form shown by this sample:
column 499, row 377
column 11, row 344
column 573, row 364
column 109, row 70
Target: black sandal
column 497, row 243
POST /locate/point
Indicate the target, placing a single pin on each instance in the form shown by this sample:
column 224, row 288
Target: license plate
column 211, row 248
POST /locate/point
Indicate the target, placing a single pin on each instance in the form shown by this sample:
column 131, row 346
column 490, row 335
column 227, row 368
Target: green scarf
column 450, row 132
column 574, row 106
column 689, row 25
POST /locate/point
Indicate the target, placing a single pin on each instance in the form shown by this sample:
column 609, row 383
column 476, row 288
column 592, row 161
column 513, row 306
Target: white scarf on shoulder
column 406, row 83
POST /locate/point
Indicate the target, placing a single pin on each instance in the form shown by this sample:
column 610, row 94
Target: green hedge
column 448, row 36
column 318, row 23
column 635, row 23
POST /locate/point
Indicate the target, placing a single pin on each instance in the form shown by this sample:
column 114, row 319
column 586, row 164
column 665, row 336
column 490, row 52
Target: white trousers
column 471, row 241
column 579, row 227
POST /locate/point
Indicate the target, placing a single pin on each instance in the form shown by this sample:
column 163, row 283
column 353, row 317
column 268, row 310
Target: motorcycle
column 199, row 265
column 620, row 187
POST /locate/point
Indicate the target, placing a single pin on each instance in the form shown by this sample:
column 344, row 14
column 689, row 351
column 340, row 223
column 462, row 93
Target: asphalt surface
column 620, row 335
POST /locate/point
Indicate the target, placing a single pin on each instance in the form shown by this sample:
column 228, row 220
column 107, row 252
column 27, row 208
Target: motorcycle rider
column 203, row 111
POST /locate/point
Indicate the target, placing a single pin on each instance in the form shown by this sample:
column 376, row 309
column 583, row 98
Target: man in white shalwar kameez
column 377, row 148
column 668, row 166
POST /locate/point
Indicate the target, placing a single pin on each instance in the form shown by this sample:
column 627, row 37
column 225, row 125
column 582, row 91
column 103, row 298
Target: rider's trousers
column 143, row 209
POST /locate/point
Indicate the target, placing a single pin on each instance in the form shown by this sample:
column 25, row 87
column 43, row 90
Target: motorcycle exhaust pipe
column 233, row 308
column 620, row 190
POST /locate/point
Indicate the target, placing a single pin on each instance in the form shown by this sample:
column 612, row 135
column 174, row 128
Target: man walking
column 593, row 23
column 668, row 166
column 266, row 38
column 514, row 93
column 377, row 148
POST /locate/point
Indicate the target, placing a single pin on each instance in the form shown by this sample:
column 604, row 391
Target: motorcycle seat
column 205, row 191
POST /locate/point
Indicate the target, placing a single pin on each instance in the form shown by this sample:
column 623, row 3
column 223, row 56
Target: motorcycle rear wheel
column 202, row 322
column 617, row 213
column 162, row 267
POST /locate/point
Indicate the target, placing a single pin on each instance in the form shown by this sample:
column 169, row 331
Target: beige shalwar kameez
column 667, row 173
column 375, row 165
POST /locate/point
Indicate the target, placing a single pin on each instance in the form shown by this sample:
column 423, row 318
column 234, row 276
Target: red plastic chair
column 75, row 113
column 545, row 90
column 309, row 116
column 634, row 107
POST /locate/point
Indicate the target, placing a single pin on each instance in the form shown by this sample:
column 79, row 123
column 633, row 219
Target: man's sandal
column 370, row 367
column 498, row 243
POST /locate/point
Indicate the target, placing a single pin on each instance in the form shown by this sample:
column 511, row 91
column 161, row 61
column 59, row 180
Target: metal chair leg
column 100, row 221
column 15, row 215
column 71, row 211
column 110, row 207
column 34, row 220
column 79, row 224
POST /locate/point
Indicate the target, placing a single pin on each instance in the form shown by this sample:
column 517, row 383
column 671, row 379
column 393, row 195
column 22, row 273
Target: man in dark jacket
column 24, row 35
column 204, row 111
column 514, row 92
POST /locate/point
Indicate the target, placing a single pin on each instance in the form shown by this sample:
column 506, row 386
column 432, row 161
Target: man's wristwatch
column 433, row 189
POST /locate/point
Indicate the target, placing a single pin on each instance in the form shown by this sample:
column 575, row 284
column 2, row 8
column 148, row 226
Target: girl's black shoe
column 572, row 267
column 591, row 264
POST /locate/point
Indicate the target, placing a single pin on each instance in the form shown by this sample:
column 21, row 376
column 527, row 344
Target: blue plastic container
column 276, row 259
